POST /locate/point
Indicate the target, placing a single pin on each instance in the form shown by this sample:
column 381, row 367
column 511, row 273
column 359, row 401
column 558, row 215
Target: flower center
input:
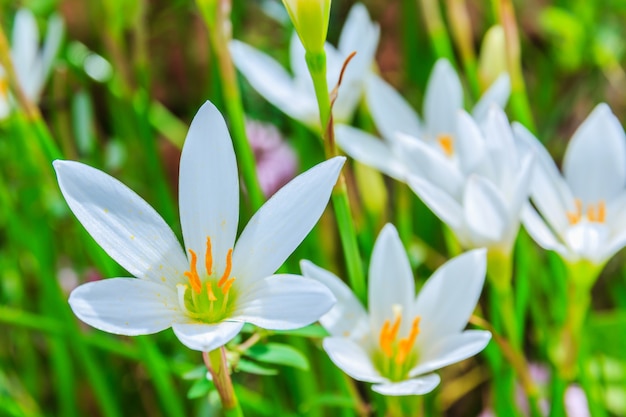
column 396, row 356
column 203, row 302
column 447, row 144
column 596, row 213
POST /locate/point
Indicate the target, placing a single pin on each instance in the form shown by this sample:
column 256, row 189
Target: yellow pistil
column 447, row 144
column 192, row 274
column 210, row 293
column 596, row 213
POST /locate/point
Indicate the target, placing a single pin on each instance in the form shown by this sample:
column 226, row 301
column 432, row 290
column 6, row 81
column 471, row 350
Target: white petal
column 501, row 146
column 415, row 386
column 539, row 231
column 485, row 212
column 361, row 35
column 127, row 306
column 497, row 95
column 451, row 349
column 521, row 187
column 470, row 146
column 352, row 359
column 297, row 61
column 391, row 280
column 274, row 83
column 25, row 51
column 123, row 224
column 209, row 187
column 283, row 222
column 441, row 203
column 206, row 337
column 283, row 302
column 369, row 150
column 444, row 97
column 54, row 37
column 594, row 164
column 447, row 300
column 347, row 318
column 550, row 192
column 390, row 111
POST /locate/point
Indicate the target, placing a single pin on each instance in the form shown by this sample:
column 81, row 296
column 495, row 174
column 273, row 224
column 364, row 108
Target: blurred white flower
column 32, row 65
column 583, row 212
column 402, row 339
column 295, row 95
column 205, row 299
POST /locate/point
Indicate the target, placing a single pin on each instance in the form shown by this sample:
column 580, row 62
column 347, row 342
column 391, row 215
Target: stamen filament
column 227, row 286
column 192, row 274
column 210, row 293
column 229, row 265
column 208, row 257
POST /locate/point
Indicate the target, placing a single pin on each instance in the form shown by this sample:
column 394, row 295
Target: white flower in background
column 393, row 115
column 583, row 212
column 402, row 339
column 480, row 192
column 295, row 95
column 32, row 65
column 208, row 295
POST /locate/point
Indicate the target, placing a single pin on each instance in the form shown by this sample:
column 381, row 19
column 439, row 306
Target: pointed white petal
column 594, row 164
column 451, row 349
column 540, row 232
column 361, row 35
column 470, row 146
column 352, row 359
column 390, row 111
column 501, row 146
column 283, row 302
column 274, row 83
column 485, row 212
column 550, row 192
column 123, row 224
column 54, row 37
column 391, row 280
column 25, row 50
column 127, row 306
column 444, row 97
column 347, row 318
column 283, row 222
column 206, row 337
column 369, row 150
column 497, row 95
column 447, row 300
column 441, row 203
column 209, row 187
column 521, row 187
column 415, row 386
column 297, row 60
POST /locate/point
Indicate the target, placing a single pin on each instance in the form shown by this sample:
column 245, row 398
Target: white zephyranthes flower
column 583, row 212
column 402, row 339
column 393, row 115
column 32, row 65
column 207, row 295
column 295, row 95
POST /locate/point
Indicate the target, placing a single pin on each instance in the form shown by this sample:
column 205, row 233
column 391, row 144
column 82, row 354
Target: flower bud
column 492, row 60
column 310, row 18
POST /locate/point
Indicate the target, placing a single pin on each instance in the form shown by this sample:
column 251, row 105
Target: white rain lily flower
column 583, row 212
column 295, row 95
column 393, row 115
column 402, row 339
column 208, row 295
column 480, row 192
column 32, row 65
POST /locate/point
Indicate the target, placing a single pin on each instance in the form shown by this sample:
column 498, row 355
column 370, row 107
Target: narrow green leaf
column 279, row 354
column 254, row 368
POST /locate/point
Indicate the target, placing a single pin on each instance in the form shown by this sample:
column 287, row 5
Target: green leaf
column 279, row 354
column 605, row 333
column 254, row 368
column 314, row 330
column 328, row 400
column 200, row 388
column 196, row 373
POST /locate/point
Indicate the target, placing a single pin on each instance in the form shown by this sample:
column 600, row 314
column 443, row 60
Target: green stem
column 341, row 203
column 217, row 365
column 216, row 16
column 437, row 31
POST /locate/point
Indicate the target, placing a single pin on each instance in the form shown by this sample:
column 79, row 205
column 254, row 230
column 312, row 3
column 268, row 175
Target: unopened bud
column 310, row 18
column 492, row 60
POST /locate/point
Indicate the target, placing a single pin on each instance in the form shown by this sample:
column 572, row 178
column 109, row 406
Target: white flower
column 207, row 296
column 403, row 339
column 393, row 115
column 32, row 65
column 295, row 96
column 583, row 212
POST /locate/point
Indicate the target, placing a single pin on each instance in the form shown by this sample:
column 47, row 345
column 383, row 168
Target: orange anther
column 227, row 286
column 229, row 265
column 209, row 291
column 591, row 214
column 447, row 144
column 208, row 257
column 192, row 274
column 394, row 329
column 574, row 217
column 601, row 211
column 405, row 345
column 384, row 341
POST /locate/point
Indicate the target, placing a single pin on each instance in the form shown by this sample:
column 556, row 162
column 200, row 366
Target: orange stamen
column 384, row 341
column 396, row 326
column 229, row 265
column 574, row 217
column 601, row 211
column 227, row 286
column 405, row 345
column 192, row 274
column 209, row 290
column 208, row 257
column 447, row 144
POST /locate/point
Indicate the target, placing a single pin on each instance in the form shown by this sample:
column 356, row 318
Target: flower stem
column 217, row 365
column 341, row 203
column 439, row 37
